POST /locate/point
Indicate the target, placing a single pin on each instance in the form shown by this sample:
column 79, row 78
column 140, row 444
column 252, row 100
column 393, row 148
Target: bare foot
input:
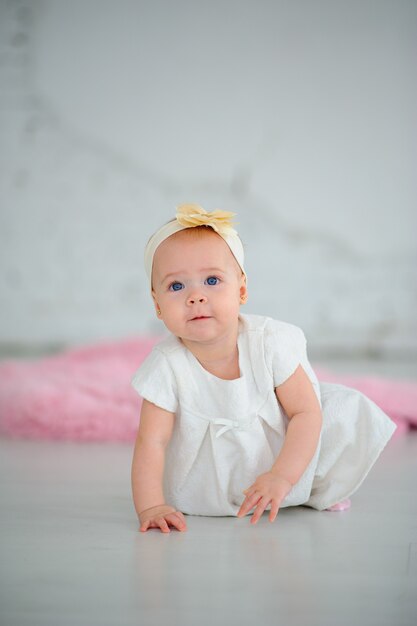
column 343, row 505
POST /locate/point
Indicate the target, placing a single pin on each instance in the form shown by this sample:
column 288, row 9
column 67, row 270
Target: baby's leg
column 343, row 505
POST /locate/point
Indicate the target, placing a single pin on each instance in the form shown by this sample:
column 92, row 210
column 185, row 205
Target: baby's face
column 197, row 285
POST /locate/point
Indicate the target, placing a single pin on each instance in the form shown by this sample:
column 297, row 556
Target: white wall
column 300, row 116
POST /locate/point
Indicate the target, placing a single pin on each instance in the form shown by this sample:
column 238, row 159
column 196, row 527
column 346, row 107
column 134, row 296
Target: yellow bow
column 190, row 215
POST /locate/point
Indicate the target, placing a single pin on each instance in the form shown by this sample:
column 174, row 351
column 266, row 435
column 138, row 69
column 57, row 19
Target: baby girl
column 233, row 418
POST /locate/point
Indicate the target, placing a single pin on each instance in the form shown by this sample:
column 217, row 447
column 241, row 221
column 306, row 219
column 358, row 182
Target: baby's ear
column 243, row 291
column 156, row 305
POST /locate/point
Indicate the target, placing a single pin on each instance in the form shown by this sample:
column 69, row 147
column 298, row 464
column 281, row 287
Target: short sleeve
column 285, row 350
column 155, row 381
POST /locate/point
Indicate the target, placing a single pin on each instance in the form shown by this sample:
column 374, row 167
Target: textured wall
column 300, row 116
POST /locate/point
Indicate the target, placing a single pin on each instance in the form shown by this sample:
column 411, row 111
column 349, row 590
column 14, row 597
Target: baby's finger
column 274, row 511
column 163, row 525
column 248, row 504
column 253, row 498
column 181, row 516
column 176, row 521
column 262, row 504
column 244, row 508
column 144, row 527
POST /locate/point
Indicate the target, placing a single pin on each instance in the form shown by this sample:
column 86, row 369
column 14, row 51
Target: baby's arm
column 300, row 403
column 155, row 430
column 302, row 407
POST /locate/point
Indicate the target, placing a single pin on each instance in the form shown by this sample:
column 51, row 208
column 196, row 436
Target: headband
column 189, row 216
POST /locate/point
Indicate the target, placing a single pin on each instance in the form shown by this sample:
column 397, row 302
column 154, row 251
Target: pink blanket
column 84, row 394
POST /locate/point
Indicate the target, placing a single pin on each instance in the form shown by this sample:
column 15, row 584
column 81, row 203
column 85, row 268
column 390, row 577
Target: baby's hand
column 267, row 488
column 162, row 516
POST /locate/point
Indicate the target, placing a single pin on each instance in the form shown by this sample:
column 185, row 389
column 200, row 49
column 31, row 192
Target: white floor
column 71, row 553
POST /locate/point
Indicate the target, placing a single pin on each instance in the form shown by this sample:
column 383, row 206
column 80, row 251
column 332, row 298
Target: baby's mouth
column 200, row 317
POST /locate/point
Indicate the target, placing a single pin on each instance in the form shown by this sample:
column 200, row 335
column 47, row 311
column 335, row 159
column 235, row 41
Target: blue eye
column 176, row 286
column 212, row 280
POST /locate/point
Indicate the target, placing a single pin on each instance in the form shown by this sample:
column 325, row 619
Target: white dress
column 228, row 432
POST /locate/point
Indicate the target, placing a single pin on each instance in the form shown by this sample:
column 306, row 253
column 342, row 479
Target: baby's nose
column 195, row 299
